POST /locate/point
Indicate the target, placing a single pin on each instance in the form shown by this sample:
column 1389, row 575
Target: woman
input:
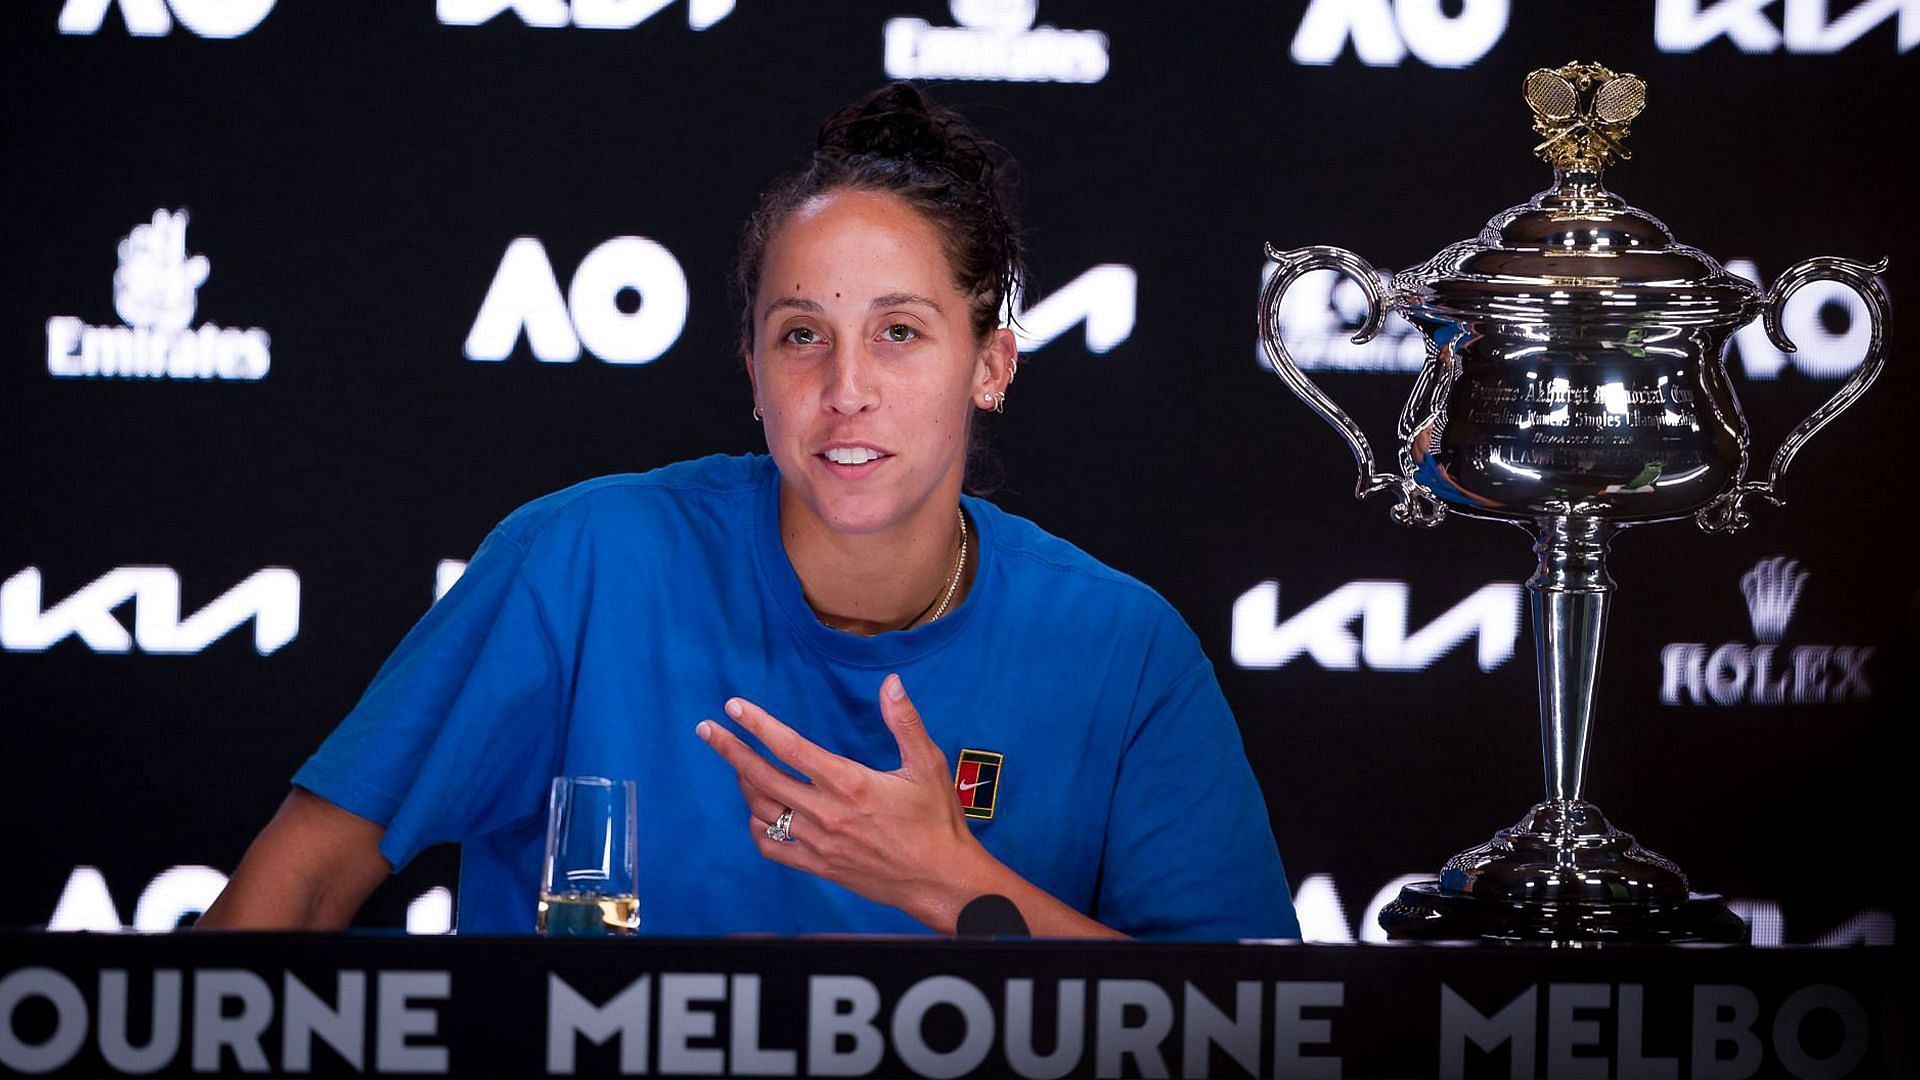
column 843, row 605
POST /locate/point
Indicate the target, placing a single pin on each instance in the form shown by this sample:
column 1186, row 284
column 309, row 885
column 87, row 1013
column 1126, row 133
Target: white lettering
column 399, row 1020
column 1323, row 919
column 1512, row 1026
column 214, row 1030
column 1105, row 298
column 69, row 1020
column 445, row 574
column 525, row 294
column 1318, row 317
column 1820, row 353
column 587, row 14
column 1737, row 674
column 842, row 1007
column 1787, row 1032
column 173, row 894
column 1383, row 34
column 1069, row 1040
column 163, row 1029
column 1630, row 1040
column 342, row 1025
column 431, row 912
column 748, row 1056
column 1681, row 26
column 85, row 904
column 1567, row 1034
column 1293, row 1031
column 680, row 1022
column 1724, row 1016
column 570, row 1014
column 909, row 1018
column 1207, row 1026
column 1371, row 932
column 1322, row 630
column 270, row 597
column 643, row 266
column 149, row 18
column 1116, row 1040
column 1870, row 927
column 999, row 46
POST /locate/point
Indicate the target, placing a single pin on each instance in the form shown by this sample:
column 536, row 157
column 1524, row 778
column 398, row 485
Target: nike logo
column 969, row 785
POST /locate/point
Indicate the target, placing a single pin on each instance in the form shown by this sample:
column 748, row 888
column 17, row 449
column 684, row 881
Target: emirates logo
column 1772, row 589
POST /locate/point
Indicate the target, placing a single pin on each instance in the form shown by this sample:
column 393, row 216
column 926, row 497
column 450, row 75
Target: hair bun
column 899, row 121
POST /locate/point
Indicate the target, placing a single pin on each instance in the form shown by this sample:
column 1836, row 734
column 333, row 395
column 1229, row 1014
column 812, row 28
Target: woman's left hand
column 898, row 838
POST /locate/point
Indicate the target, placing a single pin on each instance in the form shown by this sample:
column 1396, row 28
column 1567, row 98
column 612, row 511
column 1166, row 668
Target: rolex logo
column 1765, row 672
column 1772, row 589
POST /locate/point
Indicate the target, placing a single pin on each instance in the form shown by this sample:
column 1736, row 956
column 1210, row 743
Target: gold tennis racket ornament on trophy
column 1574, row 386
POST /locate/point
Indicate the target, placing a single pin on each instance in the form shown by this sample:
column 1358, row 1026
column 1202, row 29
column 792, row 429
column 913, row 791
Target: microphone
column 991, row 916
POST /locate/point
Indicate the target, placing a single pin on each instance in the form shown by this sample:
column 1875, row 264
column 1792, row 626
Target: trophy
column 1574, row 386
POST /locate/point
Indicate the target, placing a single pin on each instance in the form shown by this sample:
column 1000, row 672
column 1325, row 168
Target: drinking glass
column 588, row 883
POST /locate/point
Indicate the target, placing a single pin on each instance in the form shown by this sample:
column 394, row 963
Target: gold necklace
column 959, row 564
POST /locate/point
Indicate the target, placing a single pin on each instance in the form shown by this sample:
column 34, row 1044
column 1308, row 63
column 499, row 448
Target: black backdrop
column 354, row 175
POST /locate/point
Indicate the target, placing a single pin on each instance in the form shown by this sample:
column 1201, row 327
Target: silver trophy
column 1573, row 386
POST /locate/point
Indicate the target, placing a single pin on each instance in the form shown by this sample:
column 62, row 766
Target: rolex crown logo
column 1772, row 589
column 1583, row 110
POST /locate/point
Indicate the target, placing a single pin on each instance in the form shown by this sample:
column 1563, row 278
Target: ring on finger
column 782, row 827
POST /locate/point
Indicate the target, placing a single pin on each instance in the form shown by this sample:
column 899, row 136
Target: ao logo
column 1682, row 26
column 1323, row 629
column 1383, row 33
column 150, row 18
column 1823, row 353
column 525, row 294
column 588, row 14
column 1319, row 316
column 270, row 597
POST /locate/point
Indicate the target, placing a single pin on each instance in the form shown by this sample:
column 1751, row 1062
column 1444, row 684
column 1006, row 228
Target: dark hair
column 896, row 140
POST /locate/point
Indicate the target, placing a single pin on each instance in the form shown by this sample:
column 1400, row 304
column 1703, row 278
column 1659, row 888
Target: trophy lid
column 1577, row 241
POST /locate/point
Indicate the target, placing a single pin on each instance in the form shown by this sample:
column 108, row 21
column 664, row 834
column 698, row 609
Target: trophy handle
column 1417, row 505
column 1728, row 513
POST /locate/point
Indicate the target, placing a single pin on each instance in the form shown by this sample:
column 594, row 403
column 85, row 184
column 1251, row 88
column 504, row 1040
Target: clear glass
column 589, row 881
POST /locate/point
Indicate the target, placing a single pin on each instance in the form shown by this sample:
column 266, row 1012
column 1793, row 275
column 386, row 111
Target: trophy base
column 1426, row 912
column 1562, row 874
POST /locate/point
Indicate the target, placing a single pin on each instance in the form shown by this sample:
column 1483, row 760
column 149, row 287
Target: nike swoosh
column 965, row 786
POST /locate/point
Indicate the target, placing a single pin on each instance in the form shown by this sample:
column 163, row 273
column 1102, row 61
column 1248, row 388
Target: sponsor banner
column 586, row 14
column 1324, row 630
column 993, row 41
column 195, row 1005
column 269, row 597
column 627, row 304
column 1383, row 33
column 155, row 291
column 1764, row 26
column 155, row 18
column 1767, row 670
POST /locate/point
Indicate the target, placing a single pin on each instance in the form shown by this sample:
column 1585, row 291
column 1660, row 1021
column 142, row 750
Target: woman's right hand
column 310, row 869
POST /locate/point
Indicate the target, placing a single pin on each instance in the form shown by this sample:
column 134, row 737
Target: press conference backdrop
column 300, row 298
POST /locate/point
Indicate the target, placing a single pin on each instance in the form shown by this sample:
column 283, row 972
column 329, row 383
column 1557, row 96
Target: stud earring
column 758, row 415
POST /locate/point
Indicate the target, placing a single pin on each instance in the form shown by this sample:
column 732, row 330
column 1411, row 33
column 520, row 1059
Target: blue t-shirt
column 596, row 626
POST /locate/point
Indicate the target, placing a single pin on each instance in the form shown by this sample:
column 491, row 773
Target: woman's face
column 865, row 365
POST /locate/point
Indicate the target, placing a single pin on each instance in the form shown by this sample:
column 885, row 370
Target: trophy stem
column 1568, row 596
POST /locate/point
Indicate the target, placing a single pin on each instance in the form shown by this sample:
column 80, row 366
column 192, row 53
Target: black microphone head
column 990, row 915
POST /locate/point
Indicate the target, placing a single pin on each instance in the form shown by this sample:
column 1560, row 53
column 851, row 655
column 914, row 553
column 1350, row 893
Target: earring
column 758, row 415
